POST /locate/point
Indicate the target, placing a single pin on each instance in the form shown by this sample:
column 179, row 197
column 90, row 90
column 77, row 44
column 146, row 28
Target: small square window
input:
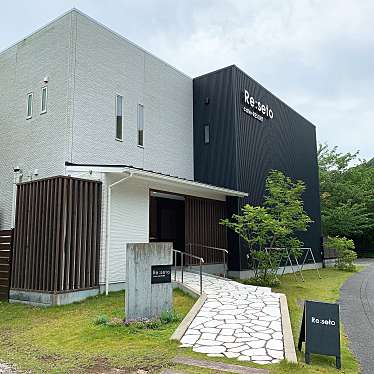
column 29, row 105
column 44, row 100
column 206, row 134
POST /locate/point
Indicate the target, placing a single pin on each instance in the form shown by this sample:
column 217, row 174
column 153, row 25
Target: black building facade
column 241, row 132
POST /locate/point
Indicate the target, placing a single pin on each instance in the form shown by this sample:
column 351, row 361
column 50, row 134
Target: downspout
column 16, row 179
column 109, row 204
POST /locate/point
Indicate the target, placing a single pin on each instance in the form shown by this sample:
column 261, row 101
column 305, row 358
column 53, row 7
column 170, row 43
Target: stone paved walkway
column 236, row 321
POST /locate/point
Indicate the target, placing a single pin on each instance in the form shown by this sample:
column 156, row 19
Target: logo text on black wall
column 256, row 108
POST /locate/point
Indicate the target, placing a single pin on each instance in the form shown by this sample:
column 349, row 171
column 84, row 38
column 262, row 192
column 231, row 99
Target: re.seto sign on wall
column 256, row 108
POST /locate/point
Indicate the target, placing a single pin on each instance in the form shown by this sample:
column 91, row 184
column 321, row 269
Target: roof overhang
column 152, row 176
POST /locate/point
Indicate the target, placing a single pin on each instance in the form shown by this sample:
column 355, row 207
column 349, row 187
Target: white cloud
column 315, row 55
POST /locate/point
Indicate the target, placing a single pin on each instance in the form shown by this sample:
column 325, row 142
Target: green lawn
column 65, row 339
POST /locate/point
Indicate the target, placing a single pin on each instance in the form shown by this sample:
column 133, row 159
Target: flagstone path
column 237, row 321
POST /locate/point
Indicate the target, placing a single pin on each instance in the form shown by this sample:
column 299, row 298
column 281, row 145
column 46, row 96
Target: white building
column 78, row 99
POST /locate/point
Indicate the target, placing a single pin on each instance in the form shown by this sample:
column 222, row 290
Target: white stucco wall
column 106, row 65
column 42, row 141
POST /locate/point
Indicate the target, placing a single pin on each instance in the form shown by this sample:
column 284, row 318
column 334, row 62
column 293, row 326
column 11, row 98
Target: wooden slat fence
column 6, row 240
column 202, row 227
column 57, row 235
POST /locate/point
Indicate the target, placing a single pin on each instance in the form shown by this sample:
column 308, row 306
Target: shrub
column 169, row 316
column 102, row 319
column 344, row 248
column 273, row 226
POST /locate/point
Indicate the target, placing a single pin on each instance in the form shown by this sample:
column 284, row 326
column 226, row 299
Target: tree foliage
column 347, row 193
column 344, row 248
column 273, row 225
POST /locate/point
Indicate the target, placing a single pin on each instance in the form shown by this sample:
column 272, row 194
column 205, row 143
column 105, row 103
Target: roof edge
column 130, row 168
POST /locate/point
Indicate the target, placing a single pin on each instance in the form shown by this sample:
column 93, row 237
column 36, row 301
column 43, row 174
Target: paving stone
column 277, row 326
column 224, row 316
column 208, row 336
column 275, row 344
column 257, row 344
column 230, row 326
column 232, row 345
column 239, row 349
column 212, row 323
column 278, row 335
column 260, row 335
column 230, row 332
column 236, row 321
column 190, row 339
column 212, row 349
column 225, row 338
column 208, row 342
column 255, row 352
column 275, row 354
column 211, row 330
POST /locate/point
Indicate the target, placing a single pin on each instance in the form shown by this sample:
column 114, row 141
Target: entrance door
column 167, row 219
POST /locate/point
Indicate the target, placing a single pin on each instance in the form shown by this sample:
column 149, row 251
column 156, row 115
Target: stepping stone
column 219, row 366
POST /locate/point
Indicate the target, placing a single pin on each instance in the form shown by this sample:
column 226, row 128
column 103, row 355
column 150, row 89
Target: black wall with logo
column 242, row 150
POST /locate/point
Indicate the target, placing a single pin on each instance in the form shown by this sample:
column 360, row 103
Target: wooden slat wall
column 202, row 227
column 6, row 238
column 57, row 235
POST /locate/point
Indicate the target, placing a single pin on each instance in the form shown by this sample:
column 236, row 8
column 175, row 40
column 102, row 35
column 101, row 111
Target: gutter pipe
column 109, row 204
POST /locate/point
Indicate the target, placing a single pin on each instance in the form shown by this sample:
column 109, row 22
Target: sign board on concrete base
column 320, row 330
column 149, row 290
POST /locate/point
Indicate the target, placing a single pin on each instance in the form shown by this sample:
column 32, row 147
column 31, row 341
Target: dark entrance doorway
column 167, row 219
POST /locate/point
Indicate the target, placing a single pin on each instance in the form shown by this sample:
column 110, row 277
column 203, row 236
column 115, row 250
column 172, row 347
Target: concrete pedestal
column 145, row 300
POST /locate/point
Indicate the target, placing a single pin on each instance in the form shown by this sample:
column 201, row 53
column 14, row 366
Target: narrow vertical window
column 206, row 134
column 141, row 125
column 29, row 106
column 44, row 100
column 119, row 117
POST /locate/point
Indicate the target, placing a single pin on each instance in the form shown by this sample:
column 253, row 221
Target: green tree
column 347, row 193
column 273, row 225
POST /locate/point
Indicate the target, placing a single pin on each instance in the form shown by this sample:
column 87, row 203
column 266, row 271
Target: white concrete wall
column 106, row 65
column 129, row 224
column 42, row 141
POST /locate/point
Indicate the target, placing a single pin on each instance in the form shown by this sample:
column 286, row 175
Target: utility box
column 149, row 290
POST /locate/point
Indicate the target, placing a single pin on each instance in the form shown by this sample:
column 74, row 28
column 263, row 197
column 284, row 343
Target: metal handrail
column 182, row 254
column 225, row 253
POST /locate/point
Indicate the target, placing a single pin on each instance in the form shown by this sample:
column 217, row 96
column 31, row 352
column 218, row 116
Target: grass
column 325, row 289
column 67, row 339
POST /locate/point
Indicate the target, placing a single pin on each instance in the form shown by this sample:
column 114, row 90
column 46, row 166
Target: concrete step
column 231, row 368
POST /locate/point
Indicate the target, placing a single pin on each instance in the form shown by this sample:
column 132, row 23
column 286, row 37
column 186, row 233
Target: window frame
column 206, row 126
column 30, row 94
column 115, row 116
column 44, row 88
column 138, row 126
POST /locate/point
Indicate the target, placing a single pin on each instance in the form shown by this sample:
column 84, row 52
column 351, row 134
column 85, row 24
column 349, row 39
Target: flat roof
column 156, row 176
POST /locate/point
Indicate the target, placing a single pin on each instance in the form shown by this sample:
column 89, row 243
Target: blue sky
column 317, row 56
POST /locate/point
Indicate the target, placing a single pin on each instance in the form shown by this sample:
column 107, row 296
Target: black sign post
column 160, row 274
column 320, row 330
